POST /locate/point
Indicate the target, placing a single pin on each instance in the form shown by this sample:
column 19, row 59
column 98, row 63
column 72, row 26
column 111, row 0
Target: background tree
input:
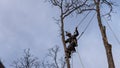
column 108, row 47
column 67, row 7
column 53, row 59
column 26, row 61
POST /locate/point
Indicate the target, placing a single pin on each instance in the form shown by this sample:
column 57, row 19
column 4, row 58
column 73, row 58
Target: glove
column 76, row 28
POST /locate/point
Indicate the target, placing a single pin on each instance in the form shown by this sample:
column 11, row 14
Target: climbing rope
column 87, row 26
column 83, row 19
column 81, row 35
column 80, row 59
column 72, row 62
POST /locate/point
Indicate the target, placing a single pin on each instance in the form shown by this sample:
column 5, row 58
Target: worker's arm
column 76, row 33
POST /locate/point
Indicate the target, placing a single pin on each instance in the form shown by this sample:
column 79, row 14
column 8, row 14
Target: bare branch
column 52, row 60
column 55, row 3
column 74, row 7
column 27, row 61
column 110, row 5
column 53, row 53
column 63, row 63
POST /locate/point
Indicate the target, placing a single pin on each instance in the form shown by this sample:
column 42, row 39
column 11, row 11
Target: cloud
column 25, row 24
column 29, row 24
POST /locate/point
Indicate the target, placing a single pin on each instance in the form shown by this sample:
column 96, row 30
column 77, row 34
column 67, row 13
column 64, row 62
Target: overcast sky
column 30, row 24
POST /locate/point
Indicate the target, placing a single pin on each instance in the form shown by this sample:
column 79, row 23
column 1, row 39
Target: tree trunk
column 107, row 46
column 63, row 41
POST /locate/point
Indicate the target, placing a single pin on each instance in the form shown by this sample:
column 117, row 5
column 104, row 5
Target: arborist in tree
column 72, row 40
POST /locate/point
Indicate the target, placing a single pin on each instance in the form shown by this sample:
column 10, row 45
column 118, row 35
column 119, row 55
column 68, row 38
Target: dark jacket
column 73, row 39
column 1, row 65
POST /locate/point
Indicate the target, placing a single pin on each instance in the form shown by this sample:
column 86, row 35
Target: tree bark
column 108, row 47
column 63, row 41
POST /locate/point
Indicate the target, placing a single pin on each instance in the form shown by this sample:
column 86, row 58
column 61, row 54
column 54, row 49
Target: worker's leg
column 68, row 53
